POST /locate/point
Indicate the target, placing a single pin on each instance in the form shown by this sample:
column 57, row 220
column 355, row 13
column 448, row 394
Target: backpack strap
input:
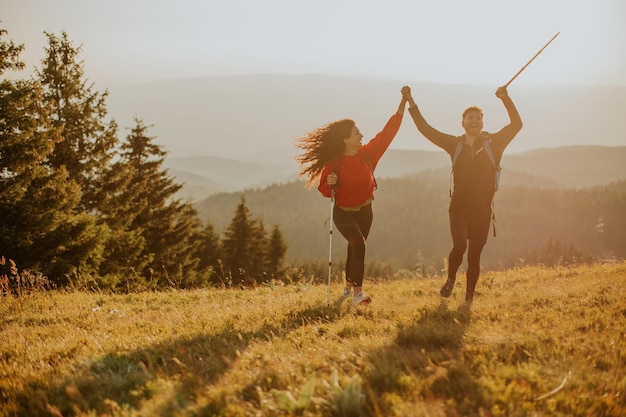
column 457, row 152
column 369, row 165
column 489, row 152
column 455, row 156
column 493, row 216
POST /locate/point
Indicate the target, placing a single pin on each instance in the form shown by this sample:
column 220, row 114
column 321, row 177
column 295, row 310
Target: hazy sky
column 481, row 42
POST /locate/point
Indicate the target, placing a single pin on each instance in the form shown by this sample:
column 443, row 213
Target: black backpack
column 488, row 151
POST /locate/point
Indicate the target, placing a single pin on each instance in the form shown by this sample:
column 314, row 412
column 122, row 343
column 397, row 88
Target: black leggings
column 469, row 229
column 355, row 227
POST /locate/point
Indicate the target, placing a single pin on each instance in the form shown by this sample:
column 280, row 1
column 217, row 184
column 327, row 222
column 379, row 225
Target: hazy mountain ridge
column 259, row 116
column 246, row 125
column 565, row 167
column 573, row 166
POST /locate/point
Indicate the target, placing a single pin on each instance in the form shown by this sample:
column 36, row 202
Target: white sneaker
column 361, row 299
column 346, row 293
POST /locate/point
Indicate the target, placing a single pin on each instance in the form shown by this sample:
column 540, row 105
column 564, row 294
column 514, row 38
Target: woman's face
column 354, row 140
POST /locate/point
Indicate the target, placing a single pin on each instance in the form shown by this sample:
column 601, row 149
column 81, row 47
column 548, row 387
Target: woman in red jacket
column 335, row 156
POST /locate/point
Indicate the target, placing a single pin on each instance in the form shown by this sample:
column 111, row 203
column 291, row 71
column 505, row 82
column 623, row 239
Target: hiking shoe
column 361, row 299
column 346, row 293
column 446, row 290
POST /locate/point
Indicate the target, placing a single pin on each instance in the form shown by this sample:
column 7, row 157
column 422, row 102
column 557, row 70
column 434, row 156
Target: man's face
column 473, row 123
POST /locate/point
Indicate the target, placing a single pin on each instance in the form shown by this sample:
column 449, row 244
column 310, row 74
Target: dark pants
column 469, row 229
column 355, row 227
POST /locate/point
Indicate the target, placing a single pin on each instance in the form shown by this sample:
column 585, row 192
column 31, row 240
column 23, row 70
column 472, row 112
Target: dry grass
column 280, row 350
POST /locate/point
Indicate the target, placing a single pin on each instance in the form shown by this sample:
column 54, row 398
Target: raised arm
column 402, row 105
column 377, row 146
column 508, row 132
column 443, row 140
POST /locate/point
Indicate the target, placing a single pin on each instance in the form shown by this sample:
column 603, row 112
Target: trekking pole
column 531, row 60
column 330, row 244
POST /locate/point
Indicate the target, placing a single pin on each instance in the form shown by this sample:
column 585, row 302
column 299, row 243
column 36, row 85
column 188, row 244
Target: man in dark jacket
column 476, row 162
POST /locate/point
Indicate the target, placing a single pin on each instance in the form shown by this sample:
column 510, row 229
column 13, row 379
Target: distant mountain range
column 564, row 167
column 257, row 117
column 228, row 133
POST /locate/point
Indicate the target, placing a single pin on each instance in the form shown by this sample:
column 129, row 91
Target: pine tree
column 277, row 248
column 249, row 255
column 259, row 250
column 125, row 251
column 140, row 208
column 208, row 251
column 237, row 244
column 88, row 139
column 10, row 54
column 40, row 228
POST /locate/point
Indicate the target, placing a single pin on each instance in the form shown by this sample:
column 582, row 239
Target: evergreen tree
column 208, row 252
column 173, row 249
column 39, row 228
column 88, row 140
column 238, row 245
column 258, row 252
column 9, row 54
column 154, row 231
column 125, row 253
column 277, row 248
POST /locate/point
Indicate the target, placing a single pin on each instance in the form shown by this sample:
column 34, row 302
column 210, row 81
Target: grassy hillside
column 536, row 342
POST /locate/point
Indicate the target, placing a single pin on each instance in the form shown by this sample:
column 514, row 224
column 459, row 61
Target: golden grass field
column 536, row 342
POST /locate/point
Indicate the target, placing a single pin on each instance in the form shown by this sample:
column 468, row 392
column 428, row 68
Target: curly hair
column 322, row 145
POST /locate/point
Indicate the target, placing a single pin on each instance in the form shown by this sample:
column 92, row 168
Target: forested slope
column 411, row 221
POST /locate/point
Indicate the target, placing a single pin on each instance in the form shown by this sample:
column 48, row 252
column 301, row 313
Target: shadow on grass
column 426, row 361
column 176, row 370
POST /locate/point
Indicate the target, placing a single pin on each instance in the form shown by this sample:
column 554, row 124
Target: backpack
column 489, row 152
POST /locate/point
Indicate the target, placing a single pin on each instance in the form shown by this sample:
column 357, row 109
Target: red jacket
column 356, row 179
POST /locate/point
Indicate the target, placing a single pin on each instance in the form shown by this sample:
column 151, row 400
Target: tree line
column 411, row 228
column 81, row 204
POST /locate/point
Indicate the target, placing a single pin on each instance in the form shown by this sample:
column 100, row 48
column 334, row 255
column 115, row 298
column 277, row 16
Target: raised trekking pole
column 531, row 60
column 330, row 243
